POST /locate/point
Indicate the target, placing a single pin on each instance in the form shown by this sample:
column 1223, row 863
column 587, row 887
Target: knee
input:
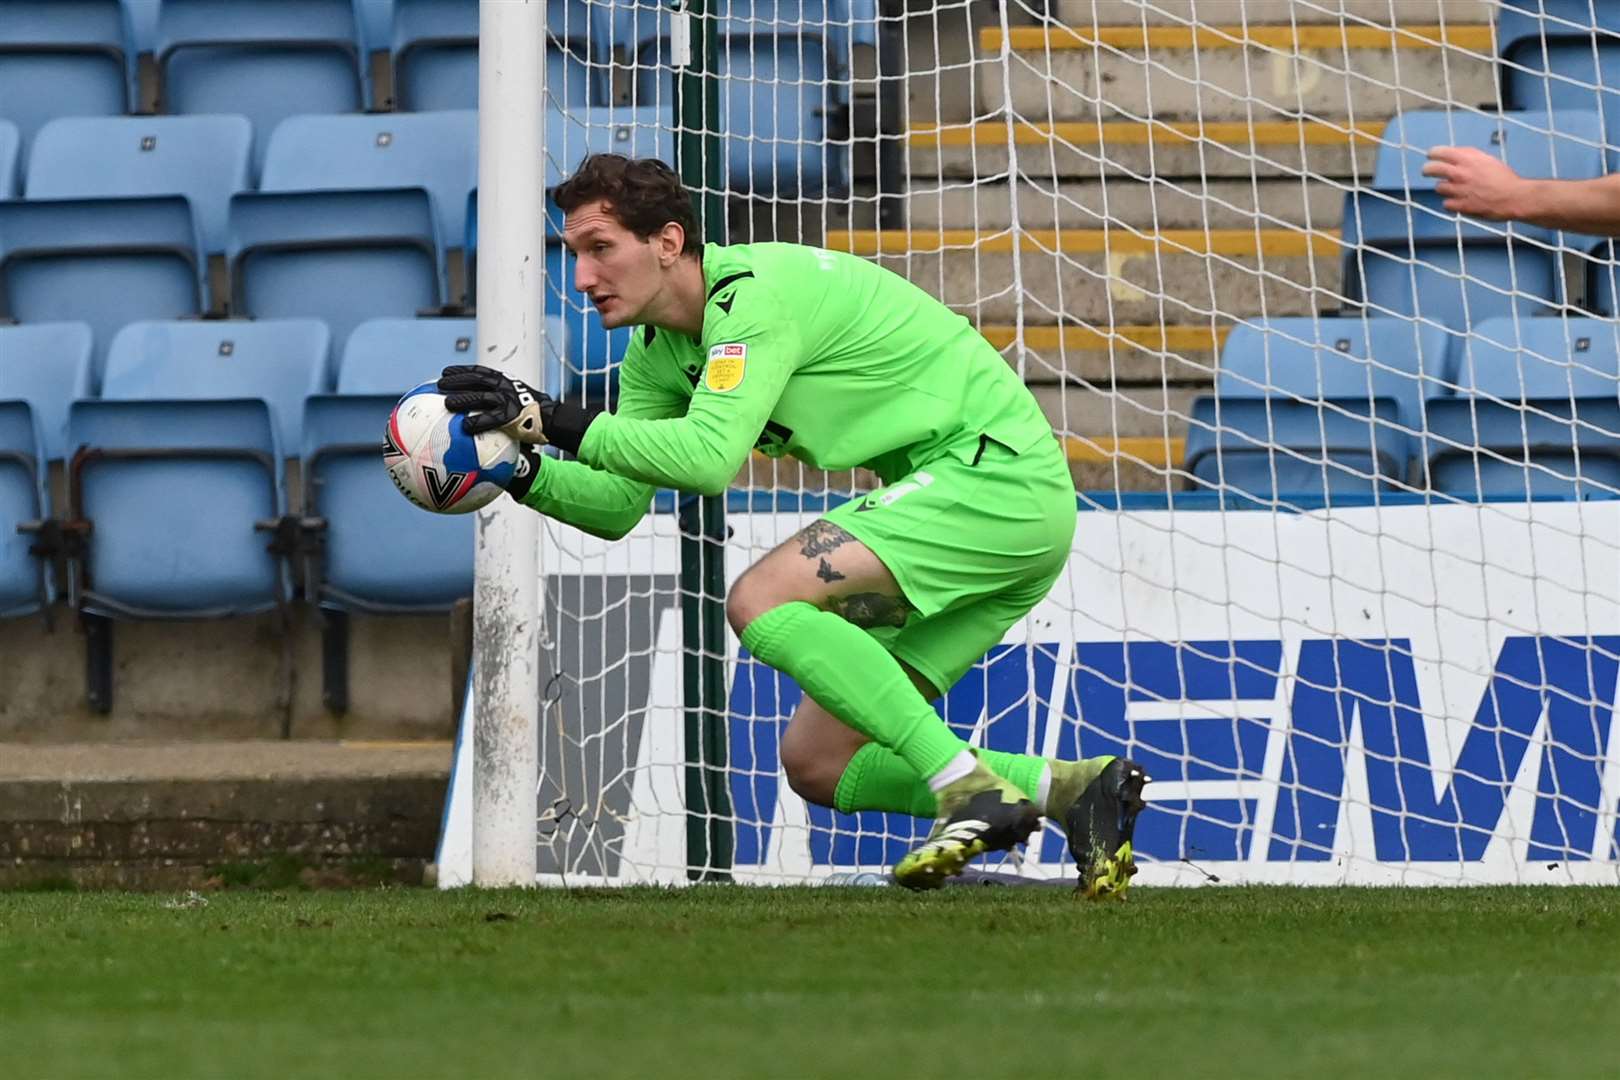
column 812, row 773
column 751, row 597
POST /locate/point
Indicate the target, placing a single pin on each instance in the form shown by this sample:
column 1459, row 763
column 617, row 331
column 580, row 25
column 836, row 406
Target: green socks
column 844, row 669
column 876, row 779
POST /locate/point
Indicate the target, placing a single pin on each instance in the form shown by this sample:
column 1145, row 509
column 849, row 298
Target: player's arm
column 1476, row 183
column 751, row 353
column 594, row 501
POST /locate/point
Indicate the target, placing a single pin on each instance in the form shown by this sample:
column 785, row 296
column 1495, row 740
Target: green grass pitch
column 734, row 982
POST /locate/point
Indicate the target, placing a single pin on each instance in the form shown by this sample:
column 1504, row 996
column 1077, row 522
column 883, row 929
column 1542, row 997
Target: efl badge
column 727, row 363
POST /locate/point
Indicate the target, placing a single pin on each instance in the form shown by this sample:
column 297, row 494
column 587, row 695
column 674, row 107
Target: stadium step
column 1242, row 73
column 1123, row 355
column 1161, row 204
column 1133, row 149
column 1143, row 463
column 200, row 814
column 1252, row 12
column 1080, row 408
column 1106, row 276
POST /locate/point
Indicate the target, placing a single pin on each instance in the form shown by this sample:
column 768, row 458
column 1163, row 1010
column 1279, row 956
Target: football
column 436, row 464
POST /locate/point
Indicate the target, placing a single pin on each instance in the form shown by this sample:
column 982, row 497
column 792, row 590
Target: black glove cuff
column 566, row 424
column 527, row 472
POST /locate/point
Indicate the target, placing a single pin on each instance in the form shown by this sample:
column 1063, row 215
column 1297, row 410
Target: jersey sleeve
column 752, row 349
column 601, row 503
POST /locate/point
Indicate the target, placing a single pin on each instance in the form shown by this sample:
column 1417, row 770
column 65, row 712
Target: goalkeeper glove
column 495, row 401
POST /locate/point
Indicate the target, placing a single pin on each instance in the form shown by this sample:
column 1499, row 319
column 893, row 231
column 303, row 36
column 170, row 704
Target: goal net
column 1345, row 577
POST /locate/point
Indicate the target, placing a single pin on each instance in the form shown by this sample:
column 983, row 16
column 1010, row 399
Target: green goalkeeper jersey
column 805, row 352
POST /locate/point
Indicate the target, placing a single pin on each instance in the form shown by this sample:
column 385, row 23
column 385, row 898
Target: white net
column 1345, row 579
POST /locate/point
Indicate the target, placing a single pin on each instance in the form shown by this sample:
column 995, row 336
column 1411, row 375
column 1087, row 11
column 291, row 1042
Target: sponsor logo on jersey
column 727, row 365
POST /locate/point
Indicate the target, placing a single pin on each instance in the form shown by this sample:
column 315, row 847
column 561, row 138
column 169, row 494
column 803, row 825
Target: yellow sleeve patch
column 727, row 365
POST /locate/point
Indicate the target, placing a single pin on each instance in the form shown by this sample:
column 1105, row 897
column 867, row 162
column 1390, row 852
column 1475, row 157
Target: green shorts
column 973, row 546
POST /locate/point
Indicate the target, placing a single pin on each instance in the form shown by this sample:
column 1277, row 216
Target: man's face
column 617, row 270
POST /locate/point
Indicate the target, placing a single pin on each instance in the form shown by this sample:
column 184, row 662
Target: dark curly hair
column 643, row 195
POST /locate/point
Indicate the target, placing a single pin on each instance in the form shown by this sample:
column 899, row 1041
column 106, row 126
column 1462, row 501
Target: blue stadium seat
column 10, row 149
column 48, row 366
column 207, row 159
column 266, row 61
column 174, row 494
column 785, row 68
column 280, row 361
column 1276, row 449
column 1306, row 359
column 1539, row 358
column 25, row 583
column 74, row 47
column 437, row 151
column 1406, row 256
column 362, row 565
column 1537, row 412
column 436, row 54
column 1560, row 54
column 1566, row 144
column 105, row 262
column 389, row 356
column 341, row 256
column 634, row 131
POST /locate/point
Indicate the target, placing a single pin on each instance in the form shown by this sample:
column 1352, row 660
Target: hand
column 494, row 401
column 1475, row 183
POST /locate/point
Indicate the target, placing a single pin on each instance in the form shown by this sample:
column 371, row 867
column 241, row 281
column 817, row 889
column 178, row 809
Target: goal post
column 1346, row 575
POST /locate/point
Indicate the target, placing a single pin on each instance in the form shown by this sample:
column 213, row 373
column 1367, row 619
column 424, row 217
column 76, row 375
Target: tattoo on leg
column 827, row 573
column 820, row 538
column 867, row 610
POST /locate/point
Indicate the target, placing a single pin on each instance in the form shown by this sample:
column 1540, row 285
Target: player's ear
column 671, row 239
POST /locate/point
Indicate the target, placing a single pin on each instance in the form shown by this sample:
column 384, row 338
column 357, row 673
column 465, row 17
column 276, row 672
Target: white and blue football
column 436, row 464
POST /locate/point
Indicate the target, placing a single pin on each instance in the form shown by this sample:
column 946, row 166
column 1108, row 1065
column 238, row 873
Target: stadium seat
column 436, row 54
column 634, row 131
column 105, row 262
column 1565, row 144
column 1306, row 359
column 280, row 361
column 25, row 582
column 341, row 256
column 785, row 68
column 48, row 366
column 266, row 61
column 9, row 152
column 180, row 506
column 1406, row 255
column 173, row 490
column 1560, row 54
column 363, row 567
column 1279, row 449
column 207, row 159
column 359, row 564
column 74, row 47
column 389, row 356
column 436, row 151
column 1537, row 412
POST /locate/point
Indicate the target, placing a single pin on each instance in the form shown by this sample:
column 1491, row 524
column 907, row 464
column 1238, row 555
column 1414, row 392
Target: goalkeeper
column 883, row 603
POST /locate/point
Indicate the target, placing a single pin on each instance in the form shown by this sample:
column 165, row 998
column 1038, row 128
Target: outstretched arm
column 749, row 360
column 1475, row 183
